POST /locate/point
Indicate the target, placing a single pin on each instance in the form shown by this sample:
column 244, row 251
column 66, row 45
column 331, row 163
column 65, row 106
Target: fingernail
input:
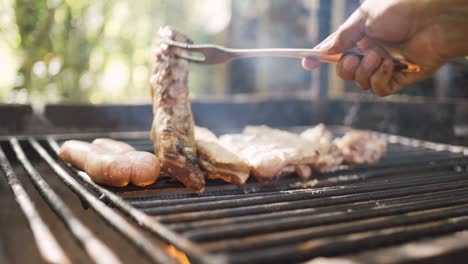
column 363, row 44
column 371, row 60
column 310, row 64
column 350, row 63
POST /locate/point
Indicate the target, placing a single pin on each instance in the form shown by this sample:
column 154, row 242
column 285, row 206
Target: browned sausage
column 75, row 152
column 108, row 162
column 145, row 166
column 108, row 168
column 113, row 145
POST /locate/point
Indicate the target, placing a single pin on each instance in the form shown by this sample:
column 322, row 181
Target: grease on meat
column 173, row 127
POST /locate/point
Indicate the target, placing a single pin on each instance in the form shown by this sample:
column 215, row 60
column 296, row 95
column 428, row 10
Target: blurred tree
column 56, row 44
column 99, row 51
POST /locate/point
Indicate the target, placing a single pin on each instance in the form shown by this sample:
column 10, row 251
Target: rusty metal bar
column 265, row 241
column 290, row 223
column 152, row 250
column 95, row 248
column 184, row 204
column 452, row 190
column 351, row 243
column 49, row 248
column 419, row 189
column 332, row 178
column 193, row 251
column 450, row 248
column 330, row 196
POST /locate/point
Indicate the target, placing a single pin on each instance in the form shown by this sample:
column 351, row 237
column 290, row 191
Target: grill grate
column 419, row 191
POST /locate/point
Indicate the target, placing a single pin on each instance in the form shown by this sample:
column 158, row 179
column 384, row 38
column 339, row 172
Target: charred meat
column 173, row 126
column 217, row 161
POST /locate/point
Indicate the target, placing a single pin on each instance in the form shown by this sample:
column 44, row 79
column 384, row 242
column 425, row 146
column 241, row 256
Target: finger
column 368, row 66
column 381, row 80
column 326, row 43
column 347, row 67
column 310, row 64
column 348, row 34
column 363, row 45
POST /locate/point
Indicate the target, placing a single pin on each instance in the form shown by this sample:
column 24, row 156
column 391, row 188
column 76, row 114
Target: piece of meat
column 173, row 128
column 361, row 147
column 319, row 134
column 272, row 152
column 108, row 169
column 75, row 152
column 145, row 166
column 303, row 171
column 329, row 154
column 107, row 164
column 113, row 145
column 218, row 161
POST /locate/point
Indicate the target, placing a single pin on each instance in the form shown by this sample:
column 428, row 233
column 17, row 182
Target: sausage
column 75, row 152
column 145, row 166
column 112, row 162
column 113, row 145
column 108, row 168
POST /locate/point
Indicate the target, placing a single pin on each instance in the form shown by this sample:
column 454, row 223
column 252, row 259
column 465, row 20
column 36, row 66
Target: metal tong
column 214, row 54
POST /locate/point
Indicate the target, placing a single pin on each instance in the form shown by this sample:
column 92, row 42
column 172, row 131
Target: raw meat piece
column 272, row 152
column 329, row 154
column 218, row 161
column 361, row 147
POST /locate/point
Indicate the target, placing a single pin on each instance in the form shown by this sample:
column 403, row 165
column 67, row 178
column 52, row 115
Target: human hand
column 425, row 32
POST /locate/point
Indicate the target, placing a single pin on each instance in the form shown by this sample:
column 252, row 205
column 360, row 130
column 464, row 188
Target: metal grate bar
column 240, row 230
column 48, row 246
column 458, row 188
column 283, row 238
column 95, row 248
column 193, row 251
column 331, row 178
column 409, row 165
column 351, row 243
column 422, row 251
column 420, row 189
column 335, row 196
column 162, row 207
column 150, row 249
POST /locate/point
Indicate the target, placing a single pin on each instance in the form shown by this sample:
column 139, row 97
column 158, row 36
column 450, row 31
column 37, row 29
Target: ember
column 178, row 255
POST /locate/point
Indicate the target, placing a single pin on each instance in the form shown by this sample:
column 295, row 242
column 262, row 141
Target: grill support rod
column 48, row 246
column 95, row 248
column 418, row 190
column 194, row 252
column 152, row 250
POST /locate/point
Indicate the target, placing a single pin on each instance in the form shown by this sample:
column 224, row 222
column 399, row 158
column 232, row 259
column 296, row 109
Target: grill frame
column 197, row 254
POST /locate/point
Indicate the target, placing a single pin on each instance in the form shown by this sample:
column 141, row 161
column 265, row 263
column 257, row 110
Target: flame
column 179, row 256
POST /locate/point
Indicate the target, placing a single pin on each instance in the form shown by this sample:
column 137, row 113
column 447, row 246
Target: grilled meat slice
column 329, row 154
column 173, row 128
column 361, row 147
column 218, row 161
column 272, row 152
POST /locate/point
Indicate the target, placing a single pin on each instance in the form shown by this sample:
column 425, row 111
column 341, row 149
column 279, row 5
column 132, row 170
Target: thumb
column 347, row 35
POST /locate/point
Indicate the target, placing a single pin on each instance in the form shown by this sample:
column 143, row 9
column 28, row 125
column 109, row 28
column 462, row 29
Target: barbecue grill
column 409, row 208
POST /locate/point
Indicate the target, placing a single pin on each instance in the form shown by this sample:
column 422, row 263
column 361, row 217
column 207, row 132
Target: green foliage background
column 64, row 47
